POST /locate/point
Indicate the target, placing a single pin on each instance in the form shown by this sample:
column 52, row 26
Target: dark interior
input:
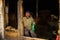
column 51, row 5
column 12, row 12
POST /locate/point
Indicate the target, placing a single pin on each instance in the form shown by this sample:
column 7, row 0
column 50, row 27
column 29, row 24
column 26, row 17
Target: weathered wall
column 6, row 17
column 2, row 18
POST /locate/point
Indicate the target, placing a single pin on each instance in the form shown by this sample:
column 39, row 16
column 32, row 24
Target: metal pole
column 36, row 8
column 36, row 11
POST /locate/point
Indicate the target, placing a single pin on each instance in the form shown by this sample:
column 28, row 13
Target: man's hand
column 54, row 32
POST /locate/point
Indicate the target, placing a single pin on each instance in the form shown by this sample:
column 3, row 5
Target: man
column 27, row 22
column 54, row 25
column 43, row 29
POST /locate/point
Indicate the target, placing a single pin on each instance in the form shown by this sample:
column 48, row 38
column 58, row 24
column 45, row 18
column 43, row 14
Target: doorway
column 44, row 7
column 11, row 19
column 45, row 10
column 12, row 12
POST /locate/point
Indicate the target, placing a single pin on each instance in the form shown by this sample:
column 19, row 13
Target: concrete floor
column 14, row 36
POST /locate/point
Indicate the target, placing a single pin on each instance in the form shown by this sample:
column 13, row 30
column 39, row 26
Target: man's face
column 52, row 17
column 27, row 14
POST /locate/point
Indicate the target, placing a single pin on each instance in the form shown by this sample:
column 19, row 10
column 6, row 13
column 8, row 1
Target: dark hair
column 28, row 11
